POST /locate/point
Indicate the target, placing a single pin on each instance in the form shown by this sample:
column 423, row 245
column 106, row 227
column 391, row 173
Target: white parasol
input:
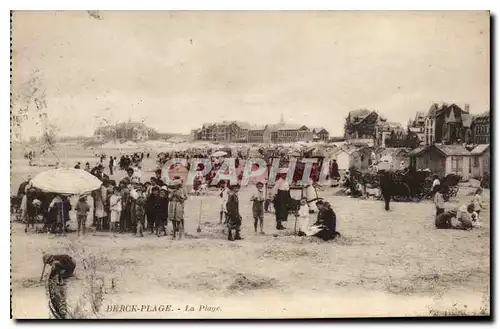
column 219, row 154
column 66, row 181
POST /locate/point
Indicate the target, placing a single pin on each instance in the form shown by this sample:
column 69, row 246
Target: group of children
column 325, row 225
column 464, row 218
column 134, row 206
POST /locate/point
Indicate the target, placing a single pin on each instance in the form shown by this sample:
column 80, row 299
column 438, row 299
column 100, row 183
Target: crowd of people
column 466, row 217
column 284, row 204
column 133, row 205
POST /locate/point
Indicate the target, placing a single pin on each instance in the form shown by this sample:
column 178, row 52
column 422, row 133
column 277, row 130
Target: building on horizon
column 481, row 128
column 242, row 132
column 417, row 125
column 133, row 131
column 448, row 124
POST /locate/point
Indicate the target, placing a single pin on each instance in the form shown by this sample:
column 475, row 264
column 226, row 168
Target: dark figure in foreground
column 386, row 188
column 327, row 221
column 62, row 267
column 233, row 214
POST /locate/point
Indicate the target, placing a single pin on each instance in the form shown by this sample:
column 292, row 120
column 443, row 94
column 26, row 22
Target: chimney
column 466, row 108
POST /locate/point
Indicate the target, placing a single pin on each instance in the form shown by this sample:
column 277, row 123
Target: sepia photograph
column 250, row 164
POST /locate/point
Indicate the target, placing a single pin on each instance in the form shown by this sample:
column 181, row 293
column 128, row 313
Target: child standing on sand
column 82, row 208
column 438, row 200
column 258, row 199
column 303, row 217
column 478, row 201
column 115, row 206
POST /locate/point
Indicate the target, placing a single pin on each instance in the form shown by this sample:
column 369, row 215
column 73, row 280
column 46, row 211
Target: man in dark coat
column 111, row 165
column 233, row 214
column 386, row 187
column 153, row 205
column 97, row 171
column 335, row 170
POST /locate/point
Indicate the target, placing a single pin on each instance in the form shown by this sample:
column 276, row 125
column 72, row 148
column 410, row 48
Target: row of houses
column 452, row 159
column 439, row 158
column 447, row 124
column 242, row 132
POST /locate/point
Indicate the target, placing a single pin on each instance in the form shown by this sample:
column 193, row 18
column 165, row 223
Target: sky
column 177, row 70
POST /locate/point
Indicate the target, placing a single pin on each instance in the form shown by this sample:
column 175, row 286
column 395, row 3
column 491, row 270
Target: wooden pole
column 199, row 219
column 62, row 214
column 43, row 271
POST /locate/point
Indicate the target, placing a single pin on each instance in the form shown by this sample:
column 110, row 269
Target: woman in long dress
column 281, row 202
column 100, row 197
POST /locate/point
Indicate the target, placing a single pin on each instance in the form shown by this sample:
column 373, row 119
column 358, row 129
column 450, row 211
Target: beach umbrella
column 67, row 181
column 219, row 154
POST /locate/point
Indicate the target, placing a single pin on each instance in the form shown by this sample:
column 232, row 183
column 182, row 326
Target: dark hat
column 234, row 186
column 259, row 184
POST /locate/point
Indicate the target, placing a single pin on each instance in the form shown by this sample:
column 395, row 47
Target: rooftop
column 447, row 150
column 480, row 149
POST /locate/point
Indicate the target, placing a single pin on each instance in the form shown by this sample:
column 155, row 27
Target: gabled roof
column 452, row 149
column 394, row 151
column 359, row 114
column 445, row 150
column 317, row 129
column 433, row 110
column 480, row 149
column 420, row 116
column 417, row 151
column 242, row 124
column 451, row 118
column 350, row 149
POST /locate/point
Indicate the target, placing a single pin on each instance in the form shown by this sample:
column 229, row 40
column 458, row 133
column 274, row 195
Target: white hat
column 164, row 188
column 462, row 208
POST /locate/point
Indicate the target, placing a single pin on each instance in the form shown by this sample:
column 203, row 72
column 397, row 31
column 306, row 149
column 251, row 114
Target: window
column 456, row 164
